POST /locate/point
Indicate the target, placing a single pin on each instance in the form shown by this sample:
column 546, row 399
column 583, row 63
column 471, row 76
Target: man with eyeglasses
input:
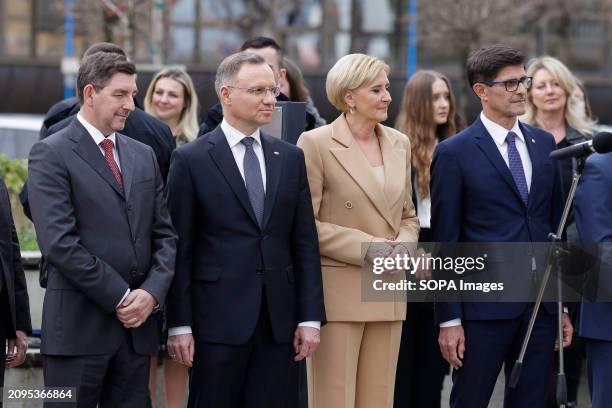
column 247, row 287
column 494, row 182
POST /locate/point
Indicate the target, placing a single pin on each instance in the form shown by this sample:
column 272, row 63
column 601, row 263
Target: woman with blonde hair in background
column 359, row 177
column 553, row 106
column 171, row 97
column 427, row 115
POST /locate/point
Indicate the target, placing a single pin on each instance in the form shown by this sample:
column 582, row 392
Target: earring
column 351, row 110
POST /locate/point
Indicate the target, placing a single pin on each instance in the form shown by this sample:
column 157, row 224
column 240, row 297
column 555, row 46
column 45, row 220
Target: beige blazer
column 351, row 208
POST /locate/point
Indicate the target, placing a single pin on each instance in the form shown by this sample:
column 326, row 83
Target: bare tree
column 460, row 26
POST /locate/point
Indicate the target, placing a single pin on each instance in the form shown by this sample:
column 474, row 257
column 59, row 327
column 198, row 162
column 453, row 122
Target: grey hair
column 229, row 67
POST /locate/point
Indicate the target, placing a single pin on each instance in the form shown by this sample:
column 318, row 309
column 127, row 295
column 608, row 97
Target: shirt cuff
column 313, row 324
column 175, row 331
column 451, row 323
column 127, row 292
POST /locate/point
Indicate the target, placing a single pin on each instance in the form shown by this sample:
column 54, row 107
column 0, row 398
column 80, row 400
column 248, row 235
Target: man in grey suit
column 99, row 209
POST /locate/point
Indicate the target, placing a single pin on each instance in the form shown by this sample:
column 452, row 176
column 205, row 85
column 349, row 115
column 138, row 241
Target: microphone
column 601, row 143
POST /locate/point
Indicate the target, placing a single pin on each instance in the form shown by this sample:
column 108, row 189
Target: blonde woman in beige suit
column 359, row 176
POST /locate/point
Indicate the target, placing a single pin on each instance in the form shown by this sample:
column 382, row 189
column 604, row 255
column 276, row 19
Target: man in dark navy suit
column 593, row 211
column 493, row 182
column 248, row 280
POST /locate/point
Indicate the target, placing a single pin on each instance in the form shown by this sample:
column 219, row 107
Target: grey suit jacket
column 98, row 240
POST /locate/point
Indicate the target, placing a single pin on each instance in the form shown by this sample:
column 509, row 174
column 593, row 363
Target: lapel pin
column 532, row 140
column 276, row 153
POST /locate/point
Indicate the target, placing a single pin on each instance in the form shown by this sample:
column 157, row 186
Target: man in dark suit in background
column 272, row 53
column 494, row 182
column 99, row 210
column 248, row 275
column 14, row 302
column 593, row 212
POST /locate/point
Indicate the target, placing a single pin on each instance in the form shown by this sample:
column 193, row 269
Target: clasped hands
column 384, row 248
column 135, row 308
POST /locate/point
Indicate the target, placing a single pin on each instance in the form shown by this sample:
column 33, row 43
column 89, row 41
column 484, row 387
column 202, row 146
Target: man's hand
column 568, row 331
column 305, row 341
column 452, row 345
column 16, row 350
column 181, row 348
column 136, row 308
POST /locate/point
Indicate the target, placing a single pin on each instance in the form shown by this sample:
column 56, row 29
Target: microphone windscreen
column 602, row 142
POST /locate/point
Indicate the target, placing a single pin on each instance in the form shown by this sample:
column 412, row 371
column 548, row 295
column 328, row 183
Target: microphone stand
column 554, row 260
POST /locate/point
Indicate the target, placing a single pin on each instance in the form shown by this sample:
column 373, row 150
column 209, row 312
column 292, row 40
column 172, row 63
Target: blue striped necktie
column 253, row 179
column 516, row 167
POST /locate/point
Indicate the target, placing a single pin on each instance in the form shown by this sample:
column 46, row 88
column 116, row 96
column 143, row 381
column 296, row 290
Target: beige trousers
column 354, row 366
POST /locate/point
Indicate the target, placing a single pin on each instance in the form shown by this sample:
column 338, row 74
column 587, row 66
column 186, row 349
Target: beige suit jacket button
column 348, row 205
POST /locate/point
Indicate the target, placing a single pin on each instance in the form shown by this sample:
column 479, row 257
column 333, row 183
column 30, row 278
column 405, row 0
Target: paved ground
column 497, row 400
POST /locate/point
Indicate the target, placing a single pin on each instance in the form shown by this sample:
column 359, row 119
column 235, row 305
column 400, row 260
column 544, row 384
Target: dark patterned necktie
column 516, row 167
column 253, row 179
column 107, row 146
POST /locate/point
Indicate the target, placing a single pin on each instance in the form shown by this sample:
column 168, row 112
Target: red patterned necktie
column 107, row 146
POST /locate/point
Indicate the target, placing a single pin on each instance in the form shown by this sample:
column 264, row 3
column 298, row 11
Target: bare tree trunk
column 399, row 38
column 328, row 30
column 356, row 33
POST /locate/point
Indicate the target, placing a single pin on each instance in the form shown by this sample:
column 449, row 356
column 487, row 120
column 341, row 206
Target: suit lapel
column 87, row 149
column 395, row 166
column 222, row 155
column 535, row 154
column 274, row 161
column 127, row 160
column 358, row 168
column 486, row 143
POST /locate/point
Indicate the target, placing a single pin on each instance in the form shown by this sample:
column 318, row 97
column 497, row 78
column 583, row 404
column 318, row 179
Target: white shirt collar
column 234, row 136
column 498, row 132
column 97, row 136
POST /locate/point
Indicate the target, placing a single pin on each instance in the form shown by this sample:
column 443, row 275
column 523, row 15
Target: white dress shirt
column 499, row 133
column 98, row 137
column 234, row 136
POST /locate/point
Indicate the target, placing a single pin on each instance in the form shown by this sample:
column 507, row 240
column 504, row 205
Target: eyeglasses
column 261, row 92
column 512, row 85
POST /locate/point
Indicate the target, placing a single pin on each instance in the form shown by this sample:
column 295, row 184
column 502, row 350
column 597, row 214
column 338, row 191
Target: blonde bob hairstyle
column 187, row 128
column 349, row 73
column 574, row 115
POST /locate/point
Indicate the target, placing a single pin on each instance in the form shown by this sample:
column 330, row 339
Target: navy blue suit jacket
column 224, row 259
column 475, row 199
column 593, row 213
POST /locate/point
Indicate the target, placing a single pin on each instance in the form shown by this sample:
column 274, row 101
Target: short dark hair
column 104, row 47
column 484, row 64
column 264, row 42
column 98, row 68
